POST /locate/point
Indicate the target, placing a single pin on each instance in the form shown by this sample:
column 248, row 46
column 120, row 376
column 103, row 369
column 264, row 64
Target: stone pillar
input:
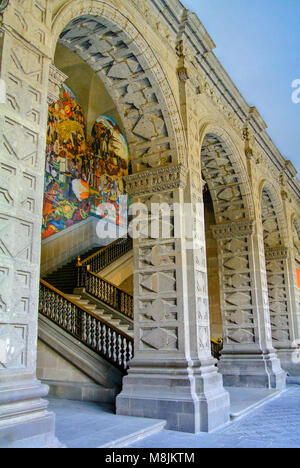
column 282, row 307
column 173, row 375
column 248, row 358
column 24, row 419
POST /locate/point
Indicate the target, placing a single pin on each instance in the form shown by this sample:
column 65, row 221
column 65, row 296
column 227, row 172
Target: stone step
column 104, row 314
column 98, row 426
column 134, row 431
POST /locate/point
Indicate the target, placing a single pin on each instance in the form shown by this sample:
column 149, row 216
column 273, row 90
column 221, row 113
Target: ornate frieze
column 157, row 180
column 233, row 230
column 280, row 253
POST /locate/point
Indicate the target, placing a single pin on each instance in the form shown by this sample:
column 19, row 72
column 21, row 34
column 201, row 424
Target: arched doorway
column 132, row 75
column 243, row 302
column 164, row 336
column 279, row 277
column 212, row 258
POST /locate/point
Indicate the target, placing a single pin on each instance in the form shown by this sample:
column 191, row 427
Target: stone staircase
column 65, row 279
column 104, row 312
column 87, row 319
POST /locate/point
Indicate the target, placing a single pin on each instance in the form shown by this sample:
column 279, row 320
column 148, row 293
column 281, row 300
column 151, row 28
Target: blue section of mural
column 83, row 176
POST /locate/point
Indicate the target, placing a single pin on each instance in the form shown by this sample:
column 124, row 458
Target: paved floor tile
column 274, row 425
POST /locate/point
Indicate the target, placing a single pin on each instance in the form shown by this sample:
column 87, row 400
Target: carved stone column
column 248, row 358
column 283, row 320
column 173, row 375
column 24, row 419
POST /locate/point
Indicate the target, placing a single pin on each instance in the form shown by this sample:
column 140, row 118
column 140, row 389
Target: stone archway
column 115, row 49
column 227, row 185
column 296, row 266
column 279, row 277
column 276, row 256
column 30, row 79
column 169, row 336
column 244, row 302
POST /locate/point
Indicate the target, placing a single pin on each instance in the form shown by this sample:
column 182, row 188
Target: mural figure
column 82, row 174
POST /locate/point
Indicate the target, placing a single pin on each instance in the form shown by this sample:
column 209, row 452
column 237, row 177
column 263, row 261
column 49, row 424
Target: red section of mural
column 298, row 277
column 82, row 175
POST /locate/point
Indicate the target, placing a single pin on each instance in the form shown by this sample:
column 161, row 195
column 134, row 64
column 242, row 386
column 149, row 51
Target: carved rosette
column 158, row 180
column 56, row 80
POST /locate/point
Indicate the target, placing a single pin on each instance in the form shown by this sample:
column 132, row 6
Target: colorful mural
column 82, row 174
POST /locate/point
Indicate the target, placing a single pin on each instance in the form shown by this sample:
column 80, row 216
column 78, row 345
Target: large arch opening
column 226, row 202
column 276, row 266
column 296, row 243
column 87, row 156
column 212, row 261
column 112, row 74
column 247, row 335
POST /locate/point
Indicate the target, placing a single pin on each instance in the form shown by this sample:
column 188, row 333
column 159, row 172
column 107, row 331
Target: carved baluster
column 73, row 319
column 125, row 360
column 61, row 312
column 84, row 327
column 78, row 322
column 93, row 333
column 130, row 351
column 119, row 350
column 98, row 336
column 104, row 339
column 68, row 316
column 114, row 346
column 54, row 304
column 88, row 329
column 109, row 343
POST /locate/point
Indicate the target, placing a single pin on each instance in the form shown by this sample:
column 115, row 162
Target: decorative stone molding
column 233, row 230
column 158, row 180
column 280, row 253
column 183, row 74
column 56, row 79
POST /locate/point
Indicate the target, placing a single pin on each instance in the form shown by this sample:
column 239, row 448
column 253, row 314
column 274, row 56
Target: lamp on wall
column 3, row 5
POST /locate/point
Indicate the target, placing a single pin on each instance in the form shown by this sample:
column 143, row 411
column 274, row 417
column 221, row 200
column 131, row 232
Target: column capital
column 233, row 230
column 279, row 253
column 157, row 180
column 56, row 80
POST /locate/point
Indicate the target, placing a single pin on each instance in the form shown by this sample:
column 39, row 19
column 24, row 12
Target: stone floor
column 88, row 425
column 276, row 424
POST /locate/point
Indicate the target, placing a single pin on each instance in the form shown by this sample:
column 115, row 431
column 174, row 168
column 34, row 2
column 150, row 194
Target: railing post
column 81, row 273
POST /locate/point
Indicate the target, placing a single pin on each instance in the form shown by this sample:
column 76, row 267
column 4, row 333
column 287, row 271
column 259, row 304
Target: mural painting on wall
column 82, row 173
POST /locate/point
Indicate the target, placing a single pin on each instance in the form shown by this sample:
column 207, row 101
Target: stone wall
column 68, row 244
column 52, row 366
